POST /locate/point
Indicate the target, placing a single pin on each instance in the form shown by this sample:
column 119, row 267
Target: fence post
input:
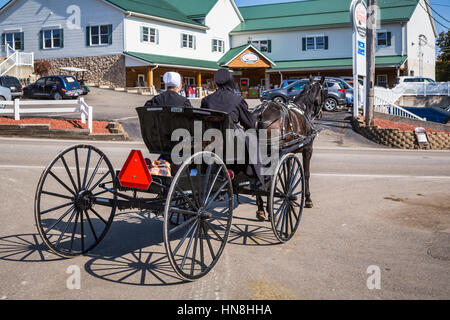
column 82, row 110
column 90, row 118
column 16, row 109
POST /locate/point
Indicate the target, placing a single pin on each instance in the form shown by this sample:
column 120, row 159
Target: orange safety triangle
column 134, row 173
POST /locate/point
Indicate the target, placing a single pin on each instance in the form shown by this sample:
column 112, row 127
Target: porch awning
column 167, row 61
column 342, row 63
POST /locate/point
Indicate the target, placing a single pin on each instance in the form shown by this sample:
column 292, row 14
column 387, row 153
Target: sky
column 442, row 7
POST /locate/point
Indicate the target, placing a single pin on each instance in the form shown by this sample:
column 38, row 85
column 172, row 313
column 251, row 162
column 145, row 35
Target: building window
column 99, row 35
column 263, row 45
column 187, row 41
column 382, row 80
column 52, row 38
column 218, row 46
column 14, row 40
column 383, row 39
column 149, row 35
column 315, row 43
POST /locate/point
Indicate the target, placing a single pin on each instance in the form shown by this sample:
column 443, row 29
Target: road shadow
column 25, row 248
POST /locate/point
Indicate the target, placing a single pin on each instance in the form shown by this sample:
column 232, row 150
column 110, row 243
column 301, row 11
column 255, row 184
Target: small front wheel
column 287, row 197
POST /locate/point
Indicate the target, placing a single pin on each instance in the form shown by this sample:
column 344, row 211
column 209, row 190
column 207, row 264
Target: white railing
column 383, row 106
column 81, row 107
column 423, row 89
column 15, row 58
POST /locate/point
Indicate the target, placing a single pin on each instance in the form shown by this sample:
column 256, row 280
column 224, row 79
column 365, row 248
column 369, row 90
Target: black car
column 13, row 84
column 54, row 87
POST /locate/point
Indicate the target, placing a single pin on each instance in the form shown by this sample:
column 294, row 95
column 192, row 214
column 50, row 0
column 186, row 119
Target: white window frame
column 13, row 33
column 385, row 32
column 258, row 45
column 99, row 35
column 190, row 41
column 385, row 76
column 149, row 35
column 314, row 37
column 44, row 47
column 219, row 46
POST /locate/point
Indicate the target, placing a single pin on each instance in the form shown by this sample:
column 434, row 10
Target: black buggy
column 79, row 192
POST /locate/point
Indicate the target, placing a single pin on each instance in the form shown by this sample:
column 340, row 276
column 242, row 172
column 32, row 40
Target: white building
column 130, row 43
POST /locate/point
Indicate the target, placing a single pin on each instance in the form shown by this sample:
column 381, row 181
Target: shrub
column 42, row 67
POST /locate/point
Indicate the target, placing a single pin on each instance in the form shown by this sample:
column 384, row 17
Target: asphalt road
column 373, row 207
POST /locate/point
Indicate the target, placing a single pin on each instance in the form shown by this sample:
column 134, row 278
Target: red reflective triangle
column 134, row 173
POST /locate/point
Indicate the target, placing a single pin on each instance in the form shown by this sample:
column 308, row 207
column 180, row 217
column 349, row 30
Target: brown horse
column 299, row 119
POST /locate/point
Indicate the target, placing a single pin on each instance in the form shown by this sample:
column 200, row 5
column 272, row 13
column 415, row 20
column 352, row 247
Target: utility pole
column 371, row 48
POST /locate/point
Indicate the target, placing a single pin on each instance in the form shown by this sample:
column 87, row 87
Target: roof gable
column 194, row 8
column 237, row 52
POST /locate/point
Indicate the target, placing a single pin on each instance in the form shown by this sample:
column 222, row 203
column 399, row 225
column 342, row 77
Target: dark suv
column 335, row 93
column 13, row 84
column 54, row 87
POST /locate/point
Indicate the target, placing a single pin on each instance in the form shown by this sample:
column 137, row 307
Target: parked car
column 5, row 94
column 287, row 93
column 54, row 87
column 339, row 94
column 287, row 83
column 415, row 79
column 13, row 84
column 349, row 80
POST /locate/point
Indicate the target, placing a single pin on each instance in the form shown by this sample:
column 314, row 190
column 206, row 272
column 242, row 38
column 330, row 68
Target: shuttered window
column 15, row 40
column 315, row 43
column 52, row 38
column 384, row 39
column 99, row 35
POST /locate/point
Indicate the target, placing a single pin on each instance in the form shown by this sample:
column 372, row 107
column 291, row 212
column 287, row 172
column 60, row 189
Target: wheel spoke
column 206, row 183
column 181, row 211
column 208, row 224
column 188, row 248
column 99, row 181
column 184, row 238
column 90, row 225
column 95, row 172
column 62, row 183
column 78, row 168
column 99, row 216
column 73, row 231
column 65, row 229
column 185, row 197
column 184, row 224
column 212, row 185
column 69, row 174
column 211, row 251
column 195, row 250
column 216, row 194
column 86, row 170
column 82, row 231
column 56, row 195
column 56, row 208
column 194, row 191
column 59, row 220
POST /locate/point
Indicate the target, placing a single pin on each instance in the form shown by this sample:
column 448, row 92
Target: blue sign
column 361, row 48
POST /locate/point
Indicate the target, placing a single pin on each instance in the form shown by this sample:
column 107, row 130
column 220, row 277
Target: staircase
column 18, row 64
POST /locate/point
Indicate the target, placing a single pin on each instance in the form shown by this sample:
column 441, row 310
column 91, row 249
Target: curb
column 43, row 131
column 395, row 138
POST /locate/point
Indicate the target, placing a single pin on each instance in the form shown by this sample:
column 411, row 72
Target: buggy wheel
column 75, row 201
column 195, row 244
column 287, row 197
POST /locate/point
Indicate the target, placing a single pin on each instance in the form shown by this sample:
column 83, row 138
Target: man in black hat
column 225, row 100
column 170, row 97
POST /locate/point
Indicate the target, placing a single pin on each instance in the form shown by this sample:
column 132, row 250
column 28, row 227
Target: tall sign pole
column 371, row 41
column 358, row 17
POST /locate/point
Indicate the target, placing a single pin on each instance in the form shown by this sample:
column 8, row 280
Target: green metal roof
column 334, row 63
column 155, row 59
column 157, row 8
column 314, row 13
column 193, row 8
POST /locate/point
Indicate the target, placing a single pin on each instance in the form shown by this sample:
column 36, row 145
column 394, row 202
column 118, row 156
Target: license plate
column 13, row 88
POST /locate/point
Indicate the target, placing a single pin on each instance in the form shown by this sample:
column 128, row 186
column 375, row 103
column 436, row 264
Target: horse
column 299, row 119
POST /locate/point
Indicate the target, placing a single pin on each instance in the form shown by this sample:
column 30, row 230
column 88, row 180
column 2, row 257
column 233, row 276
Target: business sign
column 358, row 12
column 358, row 16
column 249, row 58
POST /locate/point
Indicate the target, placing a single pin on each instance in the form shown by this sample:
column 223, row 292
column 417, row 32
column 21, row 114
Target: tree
column 443, row 60
column 42, row 67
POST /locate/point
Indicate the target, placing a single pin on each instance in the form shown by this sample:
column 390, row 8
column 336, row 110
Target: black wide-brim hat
column 223, row 77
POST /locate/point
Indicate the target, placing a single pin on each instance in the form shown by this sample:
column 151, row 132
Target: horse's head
column 312, row 97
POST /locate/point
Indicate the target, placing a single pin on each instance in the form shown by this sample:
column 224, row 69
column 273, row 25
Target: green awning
column 343, row 63
column 155, row 59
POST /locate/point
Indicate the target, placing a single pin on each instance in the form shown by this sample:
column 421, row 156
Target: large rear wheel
column 200, row 202
column 75, row 201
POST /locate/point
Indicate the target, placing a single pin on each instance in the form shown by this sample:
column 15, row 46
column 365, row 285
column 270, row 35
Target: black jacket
column 225, row 100
column 169, row 99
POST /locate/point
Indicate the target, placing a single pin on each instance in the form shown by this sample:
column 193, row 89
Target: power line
column 435, row 20
column 438, row 14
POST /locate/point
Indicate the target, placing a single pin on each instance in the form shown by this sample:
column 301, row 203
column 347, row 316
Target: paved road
column 373, row 207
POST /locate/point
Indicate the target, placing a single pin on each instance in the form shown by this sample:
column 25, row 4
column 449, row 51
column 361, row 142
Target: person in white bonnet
column 170, row 97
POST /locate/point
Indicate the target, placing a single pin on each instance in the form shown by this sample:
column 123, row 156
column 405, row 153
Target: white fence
column 383, row 106
column 15, row 58
column 413, row 89
column 80, row 107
